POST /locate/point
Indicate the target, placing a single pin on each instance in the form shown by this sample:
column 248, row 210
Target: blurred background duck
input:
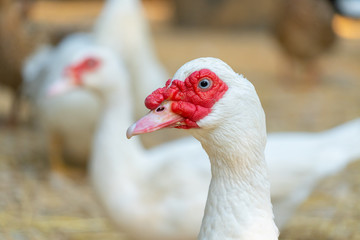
column 117, row 21
column 304, row 32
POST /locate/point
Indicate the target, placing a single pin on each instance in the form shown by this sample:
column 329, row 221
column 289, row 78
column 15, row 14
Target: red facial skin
column 189, row 100
column 88, row 64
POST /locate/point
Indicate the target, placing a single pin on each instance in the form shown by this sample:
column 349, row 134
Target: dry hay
column 331, row 212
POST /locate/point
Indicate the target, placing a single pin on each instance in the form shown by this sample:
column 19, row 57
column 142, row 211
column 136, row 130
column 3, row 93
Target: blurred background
column 302, row 56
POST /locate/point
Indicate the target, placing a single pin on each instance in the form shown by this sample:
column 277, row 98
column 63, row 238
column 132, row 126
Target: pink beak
column 60, row 87
column 159, row 118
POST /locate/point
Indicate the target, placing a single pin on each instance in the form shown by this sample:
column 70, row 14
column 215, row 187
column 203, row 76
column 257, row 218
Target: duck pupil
column 204, row 83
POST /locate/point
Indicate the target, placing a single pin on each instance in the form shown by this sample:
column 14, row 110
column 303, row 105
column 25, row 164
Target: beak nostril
column 160, row 109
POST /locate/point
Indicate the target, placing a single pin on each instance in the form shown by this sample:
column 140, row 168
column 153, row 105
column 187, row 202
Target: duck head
column 205, row 93
column 95, row 68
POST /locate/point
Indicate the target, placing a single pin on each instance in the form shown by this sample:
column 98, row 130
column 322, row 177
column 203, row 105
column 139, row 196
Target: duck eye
column 204, row 84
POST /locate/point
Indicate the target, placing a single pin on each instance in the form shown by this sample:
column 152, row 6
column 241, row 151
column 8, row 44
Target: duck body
column 298, row 160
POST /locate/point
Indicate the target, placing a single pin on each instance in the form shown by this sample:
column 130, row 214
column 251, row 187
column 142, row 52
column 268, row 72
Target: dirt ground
column 36, row 205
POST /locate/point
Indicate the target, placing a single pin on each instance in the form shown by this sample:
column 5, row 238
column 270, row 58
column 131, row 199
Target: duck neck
column 117, row 163
column 238, row 205
column 133, row 42
column 115, row 118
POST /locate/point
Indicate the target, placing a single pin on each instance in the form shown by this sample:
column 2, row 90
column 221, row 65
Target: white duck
column 222, row 111
column 81, row 107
